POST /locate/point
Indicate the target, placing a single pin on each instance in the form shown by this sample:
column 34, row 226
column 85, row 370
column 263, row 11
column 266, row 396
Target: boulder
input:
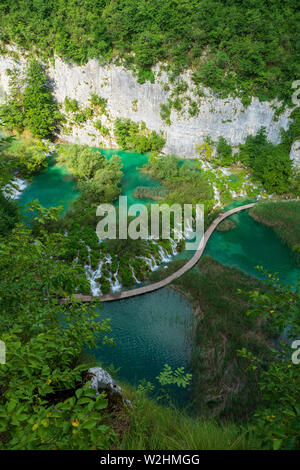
column 103, row 382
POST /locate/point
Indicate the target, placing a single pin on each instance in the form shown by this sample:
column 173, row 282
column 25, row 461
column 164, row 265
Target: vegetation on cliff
column 234, row 47
column 30, row 104
column 270, row 164
column 132, row 135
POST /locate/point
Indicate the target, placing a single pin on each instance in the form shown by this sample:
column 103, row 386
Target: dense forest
column 247, row 389
column 249, row 47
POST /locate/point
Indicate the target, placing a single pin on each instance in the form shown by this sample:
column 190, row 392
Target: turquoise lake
column 155, row 329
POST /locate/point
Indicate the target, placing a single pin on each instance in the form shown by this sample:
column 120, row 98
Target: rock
column 295, row 153
column 102, row 381
column 216, row 116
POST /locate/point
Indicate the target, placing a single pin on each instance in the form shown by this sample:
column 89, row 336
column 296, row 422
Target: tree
column 41, row 112
column 134, row 135
column 271, row 164
column 8, row 214
column 12, row 111
column 99, row 178
column 277, row 421
column 45, row 401
column 30, row 103
column 224, row 152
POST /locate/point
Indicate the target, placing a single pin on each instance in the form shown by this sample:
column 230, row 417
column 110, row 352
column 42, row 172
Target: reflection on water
column 252, row 244
column 149, row 330
column 52, row 187
column 155, row 329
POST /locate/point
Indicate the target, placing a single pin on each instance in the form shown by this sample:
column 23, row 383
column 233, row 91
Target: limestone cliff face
column 295, row 153
column 141, row 102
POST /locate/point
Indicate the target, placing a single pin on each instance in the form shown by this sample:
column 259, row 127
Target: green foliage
column 8, row 214
column 98, row 102
column 231, row 46
column 271, row 164
column 28, row 156
column 133, row 135
column 78, row 115
column 99, row 179
column 30, row 104
column 177, row 377
column 183, row 181
column 205, row 149
column 282, row 216
column 71, row 105
column 81, row 159
column 224, row 152
column 12, row 111
column 99, row 126
column 163, row 167
column 277, row 420
column 43, row 214
column 45, row 401
column 167, row 378
column 193, row 109
column 105, row 185
column 165, row 112
column 83, row 115
column 7, row 166
column 41, row 112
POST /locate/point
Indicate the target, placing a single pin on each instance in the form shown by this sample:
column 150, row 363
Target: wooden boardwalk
column 172, row 277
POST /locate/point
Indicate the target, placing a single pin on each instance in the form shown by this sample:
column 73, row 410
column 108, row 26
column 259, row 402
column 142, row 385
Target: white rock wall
column 217, row 117
column 295, row 153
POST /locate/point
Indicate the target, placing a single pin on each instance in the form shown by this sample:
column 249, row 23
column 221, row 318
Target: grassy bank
column 282, row 216
column 153, row 426
column 223, row 387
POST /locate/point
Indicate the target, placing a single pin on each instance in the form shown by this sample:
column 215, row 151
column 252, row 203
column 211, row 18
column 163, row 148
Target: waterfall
column 173, row 246
column 164, row 255
column 151, row 262
column 134, row 276
column 15, row 188
column 116, row 285
column 92, row 275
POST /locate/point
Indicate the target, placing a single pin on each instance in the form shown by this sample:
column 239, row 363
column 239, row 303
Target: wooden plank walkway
column 172, row 277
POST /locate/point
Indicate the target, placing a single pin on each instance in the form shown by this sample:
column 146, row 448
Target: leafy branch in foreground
column 277, row 420
column 45, row 402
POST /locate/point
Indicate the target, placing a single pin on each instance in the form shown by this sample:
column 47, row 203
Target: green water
column 55, row 186
column 52, row 187
column 251, row 244
column 132, row 178
column 155, row 328
column 150, row 330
